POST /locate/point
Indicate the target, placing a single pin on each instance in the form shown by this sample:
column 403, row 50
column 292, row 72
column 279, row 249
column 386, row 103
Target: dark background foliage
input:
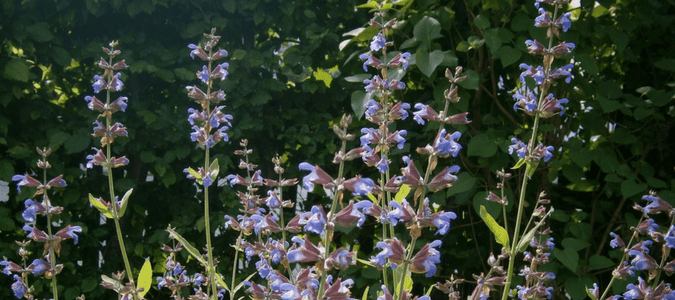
column 290, row 79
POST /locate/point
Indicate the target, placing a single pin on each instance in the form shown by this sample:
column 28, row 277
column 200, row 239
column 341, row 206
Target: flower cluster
column 646, row 235
column 45, row 265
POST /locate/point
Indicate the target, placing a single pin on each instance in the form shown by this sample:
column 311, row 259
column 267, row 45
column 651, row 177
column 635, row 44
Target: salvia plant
column 299, row 257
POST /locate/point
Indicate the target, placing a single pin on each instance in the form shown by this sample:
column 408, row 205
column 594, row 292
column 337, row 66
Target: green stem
column 207, row 219
column 52, row 257
column 111, row 188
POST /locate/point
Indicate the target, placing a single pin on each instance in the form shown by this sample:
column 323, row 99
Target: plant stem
column 52, row 258
column 111, row 188
column 207, row 222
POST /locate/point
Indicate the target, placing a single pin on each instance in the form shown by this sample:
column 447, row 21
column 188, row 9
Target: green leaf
column 501, row 236
column 241, row 284
column 576, row 286
column 492, row 39
column 125, row 202
column 569, row 258
column 466, row 182
column 620, row 39
column 61, row 56
column 39, row 32
column 588, row 63
column 358, row 100
column 17, row 69
column 101, row 208
column 631, row 188
column 145, row 277
column 427, row 62
column 481, row 145
column 597, row 262
column 589, row 294
column 220, row 280
column 88, row 284
column 78, row 142
column 402, row 193
column 190, row 249
column 667, row 64
column 481, row 21
column 509, row 55
column 191, row 171
column 365, row 293
column 358, row 78
column 214, row 168
column 472, row 79
column 426, row 30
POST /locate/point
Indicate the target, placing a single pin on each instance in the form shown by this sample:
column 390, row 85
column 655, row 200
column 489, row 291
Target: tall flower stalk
column 46, row 267
column 540, row 103
column 209, row 125
column 108, row 131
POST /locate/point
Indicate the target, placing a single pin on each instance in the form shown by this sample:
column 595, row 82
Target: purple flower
column 98, row 84
column 264, row 269
column 220, row 71
column 381, row 258
column 564, row 21
column 617, row 241
column 378, row 42
column 442, row 222
column 204, row 75
column 383, row 164
column 69, row 232
column 363, row 186
column 32, row 208
column 117, row 83
column 426, row 259
column 370, row 61
column 315, row 220
column 670, row 237
column 38, row 266
column 446, row 144
column 424, row 112
column 519, row 147
column 25, row 180
column 543, row 20
column 372, row 107
column 398, row 138
column 535, row 73
column 400, row 59
column 18, row 287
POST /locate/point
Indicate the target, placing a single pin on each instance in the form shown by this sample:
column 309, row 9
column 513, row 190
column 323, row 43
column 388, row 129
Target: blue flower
column 117, row 83
column 565, row 21
column 381, row 258
column 369, row 135
column 18, row 287
column 399, row 139
column 543, row 20
column 617, row 241
column 670, row 237
column 383, row 164
column 427, row 258
column 519, row 147
column 378, row 42
column 264, row 269
column 307, row 180
column 289, row 292
column 442, row 222
column 199, row 278
column 446, row 144
column 315, row 220
column 372, row 107
column 204, row 75
column 31, row 209
column 69, row 232
column 195, row 50
column 98, row 83
column 162, row 282
column 363, row 186
column 38, row 266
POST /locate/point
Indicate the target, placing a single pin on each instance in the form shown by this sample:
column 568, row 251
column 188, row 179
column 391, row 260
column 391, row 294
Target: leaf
column 501, row 236
column 359, row 99
column 620, row 39
column 667, row 64
column 481, row 21
column 39, row 32
column 358, row 78
column 17, row 69
column 220, row 280
column 145, row 277
column 236, row 288
column 472, row 79
column 190, row 170
column 569, row 258
column 402, row 193
column 588, row 292
column 427, row 62
column 631, row 188
column 509, row 55
column 190, row 249
column 426, row 30
column 492, row 39
column 214, row 168
column 101, row 208
column 365, row 293
column 481, row 145
column 597, row 262
column 125, row 202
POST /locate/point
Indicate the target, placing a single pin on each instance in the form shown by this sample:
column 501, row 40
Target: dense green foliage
column 291, row 75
